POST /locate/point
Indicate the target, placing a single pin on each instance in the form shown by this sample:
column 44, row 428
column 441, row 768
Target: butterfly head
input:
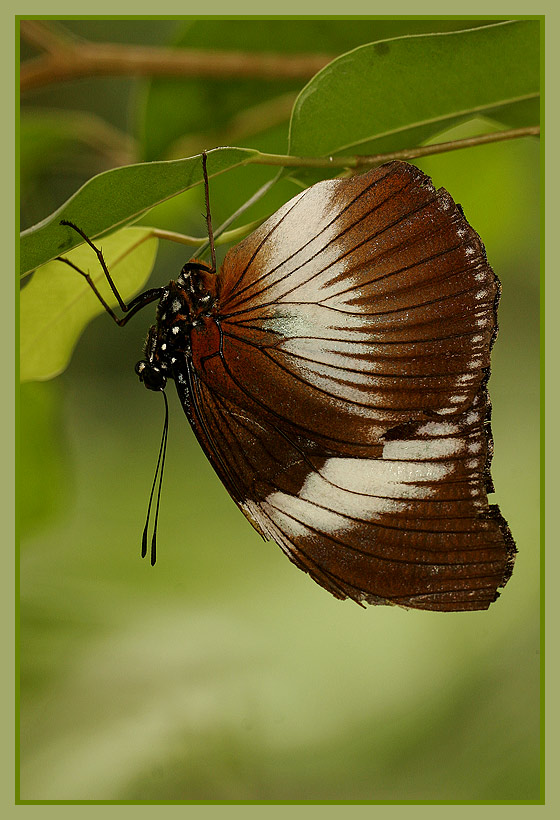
column 152, row 376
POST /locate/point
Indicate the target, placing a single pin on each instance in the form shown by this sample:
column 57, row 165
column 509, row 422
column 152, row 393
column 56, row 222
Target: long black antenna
column 160, row 461
column 239, row 212
column 208, row 216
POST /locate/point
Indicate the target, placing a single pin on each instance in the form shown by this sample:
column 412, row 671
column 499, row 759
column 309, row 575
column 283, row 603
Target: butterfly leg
column 129, row 309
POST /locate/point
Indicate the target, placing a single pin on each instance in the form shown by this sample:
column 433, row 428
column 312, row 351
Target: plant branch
column 49, row 38
column 66, row 58
column 359, row 161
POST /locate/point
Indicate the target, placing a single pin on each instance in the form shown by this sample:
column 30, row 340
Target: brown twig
column 65, row 58
column 45, row 37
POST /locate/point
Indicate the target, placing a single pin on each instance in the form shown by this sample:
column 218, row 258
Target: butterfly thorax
column 183, row 305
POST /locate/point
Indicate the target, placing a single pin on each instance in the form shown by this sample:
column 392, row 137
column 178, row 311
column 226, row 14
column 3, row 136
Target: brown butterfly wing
column 340, row 391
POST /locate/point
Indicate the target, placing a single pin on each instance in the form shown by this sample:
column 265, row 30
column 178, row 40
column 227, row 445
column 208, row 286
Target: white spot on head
column 176, row 306
column 175, row 330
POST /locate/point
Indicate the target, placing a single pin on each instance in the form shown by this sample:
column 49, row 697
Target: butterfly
column 334, row 372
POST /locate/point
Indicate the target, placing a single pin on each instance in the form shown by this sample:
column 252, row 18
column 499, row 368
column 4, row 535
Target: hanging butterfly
column 335, row 374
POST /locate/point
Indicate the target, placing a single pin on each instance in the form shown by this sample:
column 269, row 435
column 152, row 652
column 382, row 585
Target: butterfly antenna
column 212, row 235
column 208, row 215
column 159, row 470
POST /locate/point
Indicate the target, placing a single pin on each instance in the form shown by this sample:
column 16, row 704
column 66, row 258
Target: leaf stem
column 360, row 161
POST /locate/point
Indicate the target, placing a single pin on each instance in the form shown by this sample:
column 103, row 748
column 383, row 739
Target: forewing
column 362, row 304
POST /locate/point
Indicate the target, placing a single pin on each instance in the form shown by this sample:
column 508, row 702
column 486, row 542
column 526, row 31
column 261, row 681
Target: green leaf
column 208, row 111
column 116, row 198
column 59, row 151
column 58, row 303
column 208, row 108
column 397, row 93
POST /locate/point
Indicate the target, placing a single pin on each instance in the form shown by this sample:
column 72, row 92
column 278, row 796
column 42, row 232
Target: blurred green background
column 224, row 673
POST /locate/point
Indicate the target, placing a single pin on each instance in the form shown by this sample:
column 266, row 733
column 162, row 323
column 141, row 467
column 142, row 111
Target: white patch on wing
column 438, row 428
column 475, row 363
column 265, row 522
column 295, row 323
column 423, row 449
column 383, row 477
column 347, row 489
column 329, row 351
column 356, row 505
column 254, row 513
column 306, row 240
column 297, row 516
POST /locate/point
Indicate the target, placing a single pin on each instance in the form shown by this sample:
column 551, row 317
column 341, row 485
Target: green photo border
column 549, row 342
